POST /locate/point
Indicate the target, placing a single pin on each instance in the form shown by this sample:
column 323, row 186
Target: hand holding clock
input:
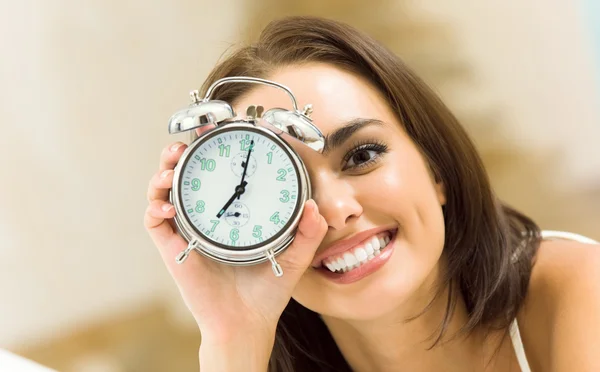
column 229, row 306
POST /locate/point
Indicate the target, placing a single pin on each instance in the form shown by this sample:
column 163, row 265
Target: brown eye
column 364, row 155
column 361, row 156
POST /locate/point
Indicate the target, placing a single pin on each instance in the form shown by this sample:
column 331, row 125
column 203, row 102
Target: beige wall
column 87, row 88
column 533, row 62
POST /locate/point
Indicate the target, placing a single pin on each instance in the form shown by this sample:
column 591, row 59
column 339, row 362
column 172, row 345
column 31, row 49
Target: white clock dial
column 208, row 182
column 238, row 162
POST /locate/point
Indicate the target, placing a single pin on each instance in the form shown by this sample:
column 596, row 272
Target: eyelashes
column 364, row 153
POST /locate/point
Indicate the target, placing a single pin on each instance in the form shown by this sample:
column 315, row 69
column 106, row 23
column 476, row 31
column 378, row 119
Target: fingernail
column 164, row 174
column 167, row 207
column 175, row 147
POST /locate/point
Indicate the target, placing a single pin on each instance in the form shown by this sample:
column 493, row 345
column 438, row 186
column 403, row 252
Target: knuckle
column 155, row 204
column 149, row 223
column 153, row 209
column 147, row 213
column 163, row 176
column 165, row 152
column 155, row 179
column 151, row 192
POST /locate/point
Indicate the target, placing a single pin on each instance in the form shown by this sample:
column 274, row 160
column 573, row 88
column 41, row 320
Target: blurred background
column 87, row 87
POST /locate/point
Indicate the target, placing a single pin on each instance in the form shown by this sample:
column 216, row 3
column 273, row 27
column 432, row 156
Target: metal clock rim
column 244, row 257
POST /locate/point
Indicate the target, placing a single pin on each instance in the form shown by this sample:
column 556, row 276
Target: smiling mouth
column 358, row 255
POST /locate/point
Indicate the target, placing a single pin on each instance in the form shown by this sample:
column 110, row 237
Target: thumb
column 309, row 235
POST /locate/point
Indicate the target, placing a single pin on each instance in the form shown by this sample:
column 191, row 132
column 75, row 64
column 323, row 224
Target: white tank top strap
column 515, row 334
column 550, row 234
column 517, row 343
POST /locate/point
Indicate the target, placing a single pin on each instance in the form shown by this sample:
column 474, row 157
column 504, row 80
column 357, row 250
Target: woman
column 454, row 282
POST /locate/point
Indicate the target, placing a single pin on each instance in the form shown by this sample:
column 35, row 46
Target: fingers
column 160, row 185
column 312, row 225
column 205, row 128
column 155, row 220
column 170, row 155
column 311, row 231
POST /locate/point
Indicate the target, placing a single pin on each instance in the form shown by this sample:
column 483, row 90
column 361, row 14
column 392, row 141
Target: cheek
column 401, row 188
column 401, row 192
column 407, row 192
column 381, row 187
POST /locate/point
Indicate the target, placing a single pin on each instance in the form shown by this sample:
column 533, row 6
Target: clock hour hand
column 239, row 190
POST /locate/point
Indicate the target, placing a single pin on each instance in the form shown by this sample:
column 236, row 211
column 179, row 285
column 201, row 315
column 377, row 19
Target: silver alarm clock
column 239, row 188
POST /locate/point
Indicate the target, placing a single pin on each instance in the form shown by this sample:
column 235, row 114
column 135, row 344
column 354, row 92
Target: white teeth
column 333, row 264
column 375, row 243
column 369, row 248
column 361, row 254
column 351, row 260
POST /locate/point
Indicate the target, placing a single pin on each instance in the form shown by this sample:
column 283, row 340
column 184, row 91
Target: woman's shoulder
column 560, row 318
column 564, row 260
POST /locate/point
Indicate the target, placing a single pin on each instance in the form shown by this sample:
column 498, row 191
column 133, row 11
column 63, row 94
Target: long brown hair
column 489, row 247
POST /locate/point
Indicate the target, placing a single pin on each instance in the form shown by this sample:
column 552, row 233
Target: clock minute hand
column 246, row 166
column 247, row 161
column 239, row 190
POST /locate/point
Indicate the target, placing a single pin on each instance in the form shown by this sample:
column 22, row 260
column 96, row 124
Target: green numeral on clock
column 281, row 172
column 285, row 196
column 234, row 234
column 275, row 218
column 215, row 223
column 257, row 232
column 269, row 157
column 196, row 184
column 245, row 145
column 207, row 164
column 224, row 149
column 200, row 206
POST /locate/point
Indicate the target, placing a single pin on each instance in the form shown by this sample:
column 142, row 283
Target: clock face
column 212, row 175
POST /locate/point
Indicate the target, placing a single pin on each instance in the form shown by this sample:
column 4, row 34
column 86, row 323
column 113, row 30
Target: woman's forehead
column 337, row 96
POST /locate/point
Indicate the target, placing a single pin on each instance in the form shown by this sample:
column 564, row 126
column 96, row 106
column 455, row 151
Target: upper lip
column 344, row 245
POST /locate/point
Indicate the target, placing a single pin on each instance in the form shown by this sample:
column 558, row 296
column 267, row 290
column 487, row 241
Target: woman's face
column 372, row 182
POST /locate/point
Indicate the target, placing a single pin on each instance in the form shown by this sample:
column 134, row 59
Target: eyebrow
column 341, row 135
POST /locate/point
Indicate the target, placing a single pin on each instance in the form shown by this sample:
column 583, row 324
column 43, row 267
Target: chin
column 402, row 282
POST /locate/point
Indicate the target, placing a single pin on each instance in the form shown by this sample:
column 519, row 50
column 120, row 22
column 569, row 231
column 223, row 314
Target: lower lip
column 363, row 270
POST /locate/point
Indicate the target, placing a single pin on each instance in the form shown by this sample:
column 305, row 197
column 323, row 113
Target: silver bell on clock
column 239, row 189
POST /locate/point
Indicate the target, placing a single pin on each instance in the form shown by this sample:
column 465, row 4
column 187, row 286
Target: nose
column 336, row 199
